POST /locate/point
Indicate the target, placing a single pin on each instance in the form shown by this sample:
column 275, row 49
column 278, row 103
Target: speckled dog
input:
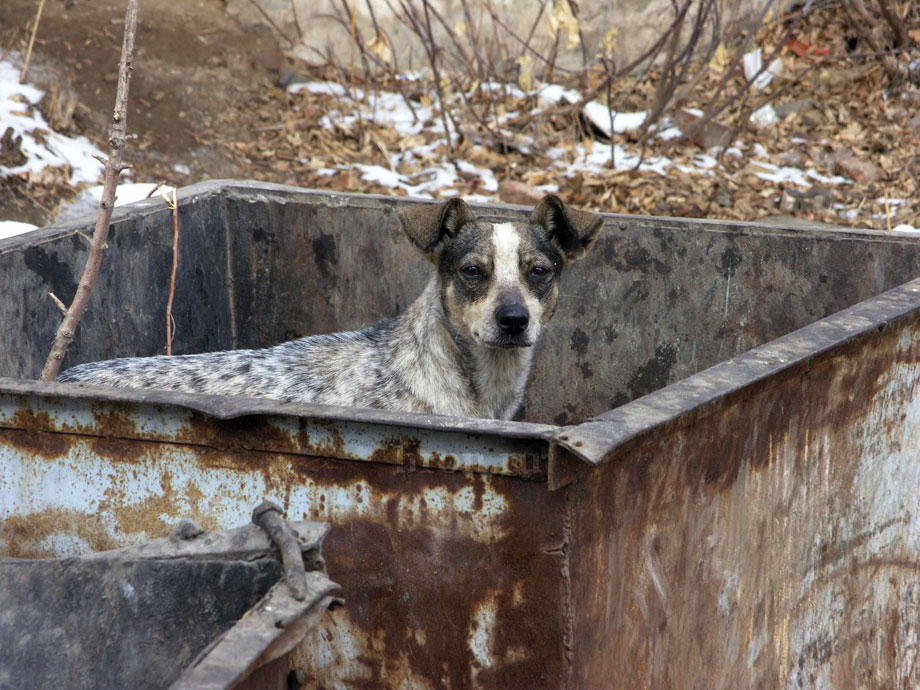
column 463, row 348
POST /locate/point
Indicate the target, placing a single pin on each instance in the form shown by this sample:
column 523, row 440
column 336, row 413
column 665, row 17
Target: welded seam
column 568, row 610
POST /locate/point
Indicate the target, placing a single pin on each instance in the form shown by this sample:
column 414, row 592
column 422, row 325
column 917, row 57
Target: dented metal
column 753, row 524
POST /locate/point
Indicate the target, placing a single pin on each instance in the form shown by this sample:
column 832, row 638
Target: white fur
column 506, row 280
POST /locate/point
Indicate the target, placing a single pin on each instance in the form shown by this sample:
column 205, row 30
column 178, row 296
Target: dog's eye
column 472, row 272
column 539, row 272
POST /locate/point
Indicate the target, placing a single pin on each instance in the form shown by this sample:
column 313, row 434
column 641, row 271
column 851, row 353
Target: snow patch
column 41, row 146
column 601, row 117
column 9, row 228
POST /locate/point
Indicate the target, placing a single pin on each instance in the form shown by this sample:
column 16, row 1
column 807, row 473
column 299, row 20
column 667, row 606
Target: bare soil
column 205, row 104
column 192, row 65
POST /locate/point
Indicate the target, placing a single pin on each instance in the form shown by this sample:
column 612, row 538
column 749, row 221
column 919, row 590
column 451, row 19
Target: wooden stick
column 170, row 323
column 25, row 65
column 113, row 168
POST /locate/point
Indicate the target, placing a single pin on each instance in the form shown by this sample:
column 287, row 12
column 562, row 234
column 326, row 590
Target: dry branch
column 25, row 64
column 170, row 322
column 113, row 168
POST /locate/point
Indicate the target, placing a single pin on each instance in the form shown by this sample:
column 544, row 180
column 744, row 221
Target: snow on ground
column 44, row 148
column 440, row 174
column 41, row 146
column 8, row 228
column 87, row 201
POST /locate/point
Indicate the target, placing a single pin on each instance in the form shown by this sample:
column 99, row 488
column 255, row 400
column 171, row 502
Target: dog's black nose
column 512, row 318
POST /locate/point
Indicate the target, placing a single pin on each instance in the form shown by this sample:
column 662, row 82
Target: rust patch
column 118, row 449
column 417, row 594
column 35, row 443
column 402, row 451
column 26, row 536
column 335, row 447
column 28, row 433
column 111, row 422
column 735, row 532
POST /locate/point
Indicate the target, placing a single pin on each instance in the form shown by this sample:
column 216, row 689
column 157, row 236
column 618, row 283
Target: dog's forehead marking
column 506, row 242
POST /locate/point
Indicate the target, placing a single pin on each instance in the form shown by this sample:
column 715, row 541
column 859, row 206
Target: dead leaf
column 562, row 19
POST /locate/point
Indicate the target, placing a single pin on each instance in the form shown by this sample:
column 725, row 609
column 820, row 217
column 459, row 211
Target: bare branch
column 25, row 65
column 170, row 322
column 271, row 22
column 67, row 330
column 58, row 303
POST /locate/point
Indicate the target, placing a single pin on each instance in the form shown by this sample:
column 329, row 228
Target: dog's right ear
column 428, row 226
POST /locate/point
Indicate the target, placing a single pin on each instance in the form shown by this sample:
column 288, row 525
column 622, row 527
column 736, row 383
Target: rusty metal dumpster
column 714, row 483
column 193, row 611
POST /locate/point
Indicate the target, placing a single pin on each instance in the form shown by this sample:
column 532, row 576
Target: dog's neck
column 452, row 372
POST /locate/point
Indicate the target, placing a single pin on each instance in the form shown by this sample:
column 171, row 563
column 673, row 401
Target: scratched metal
column 774, row 543
column 492, row 447
column 453, row 579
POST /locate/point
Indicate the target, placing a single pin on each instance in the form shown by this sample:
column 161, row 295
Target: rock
column 764, row 116
column 11, row 148
column 859, row 169
column 914, row 122
column 512, row 192
column 788, row 201
column 270, row 57
column 792, row 158
column 813, row 117
column 815, row 199
column 783, row 110
column 808, row 110
column 712, row 134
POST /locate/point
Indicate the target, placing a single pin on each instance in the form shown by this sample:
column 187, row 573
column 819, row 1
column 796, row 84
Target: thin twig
column 113, row 168
column 58, row 303
column 896, row 24
column 296, row 20
column 25, row 65
column 272, row 22
column 170, row 322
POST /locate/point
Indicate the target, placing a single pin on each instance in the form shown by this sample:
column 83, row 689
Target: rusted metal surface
column 196, row 610
column 231, row 424
column 450, row 576
column 268, row 631
column 771, row 543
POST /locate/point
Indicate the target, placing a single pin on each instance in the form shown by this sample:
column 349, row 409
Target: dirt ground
column 192, row 64
column 205, row 104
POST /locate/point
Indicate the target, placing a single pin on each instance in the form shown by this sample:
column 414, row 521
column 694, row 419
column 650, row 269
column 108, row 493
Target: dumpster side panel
column 655, row 302
column 774, row 543
column 306, row 268
column 452, row 579
column 126, row 624
column 126, row 315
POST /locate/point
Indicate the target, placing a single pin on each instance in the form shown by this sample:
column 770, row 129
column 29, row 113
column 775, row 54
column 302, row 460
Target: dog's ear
column 428, row 226
column 574, row 231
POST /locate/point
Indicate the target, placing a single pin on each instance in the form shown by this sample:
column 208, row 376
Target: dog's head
column 499, row 281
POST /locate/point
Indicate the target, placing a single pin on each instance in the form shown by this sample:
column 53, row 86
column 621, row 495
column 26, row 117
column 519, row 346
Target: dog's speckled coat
column 462, row 348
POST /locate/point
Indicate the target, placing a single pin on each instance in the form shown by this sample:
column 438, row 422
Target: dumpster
column 713, row 482
column 192, row 611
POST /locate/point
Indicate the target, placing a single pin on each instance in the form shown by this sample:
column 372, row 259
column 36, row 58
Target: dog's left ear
column 428, row 226
column 574, row 231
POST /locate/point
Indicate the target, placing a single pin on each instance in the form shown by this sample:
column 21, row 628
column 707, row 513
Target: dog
column 463, row 348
